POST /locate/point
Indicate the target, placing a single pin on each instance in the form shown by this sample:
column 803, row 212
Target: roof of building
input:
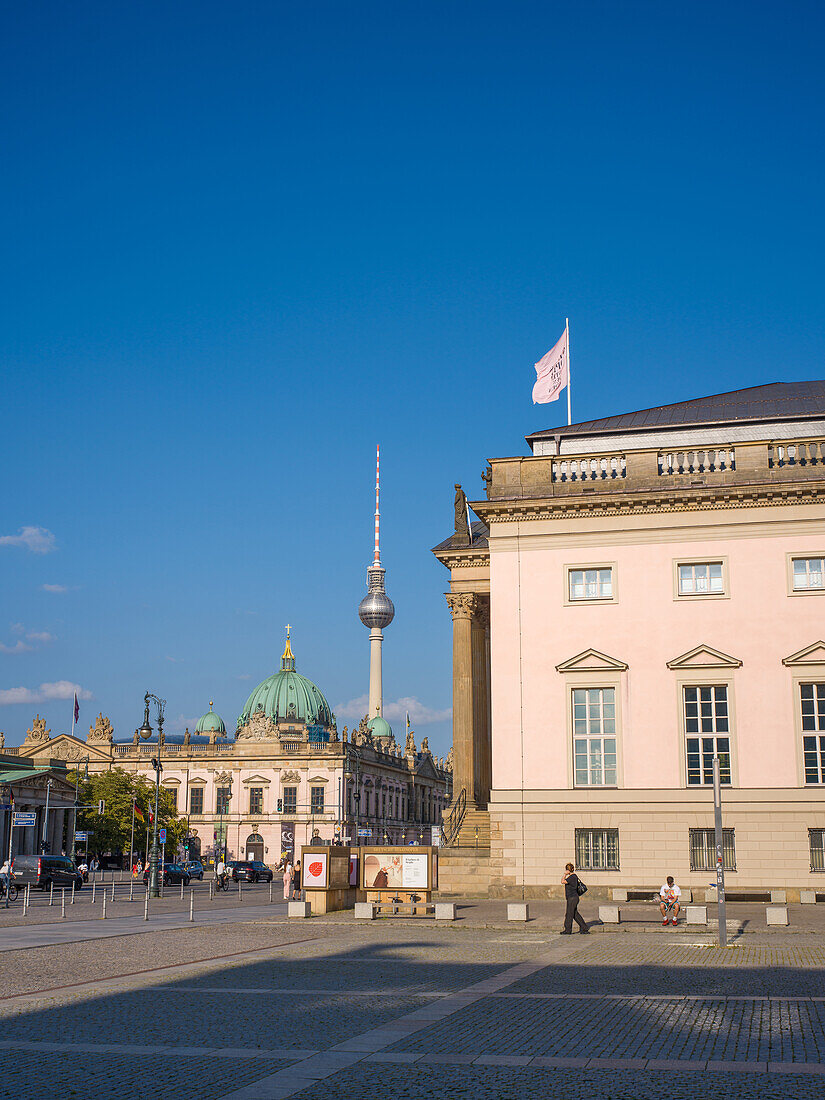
column 775, row 401
column 479, row 536
column 379, row 727
column 210, row 722
column 288, row 696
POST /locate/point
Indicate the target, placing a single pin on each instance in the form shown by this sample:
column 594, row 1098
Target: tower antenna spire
column 377, row 557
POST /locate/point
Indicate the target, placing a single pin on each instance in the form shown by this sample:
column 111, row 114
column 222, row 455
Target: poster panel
column 383, row 871
column 288, row 837
column 353, row 870
column 415, row 871
column 315, row 870
column 339, row 869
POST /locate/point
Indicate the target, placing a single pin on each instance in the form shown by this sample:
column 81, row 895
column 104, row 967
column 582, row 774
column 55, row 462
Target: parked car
column 42, row 871
column 195, row 868
column 173, row 875
column 251, row 870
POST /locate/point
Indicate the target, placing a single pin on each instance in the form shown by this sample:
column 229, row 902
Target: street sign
column 162, row 835
column 365, row 832
column 81, row 835
column 24, row 819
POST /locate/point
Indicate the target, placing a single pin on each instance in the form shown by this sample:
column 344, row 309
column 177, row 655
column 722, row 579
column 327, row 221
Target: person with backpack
column 573, row 889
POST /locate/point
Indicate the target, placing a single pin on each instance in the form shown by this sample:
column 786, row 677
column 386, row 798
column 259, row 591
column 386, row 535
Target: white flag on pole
column 553, row 372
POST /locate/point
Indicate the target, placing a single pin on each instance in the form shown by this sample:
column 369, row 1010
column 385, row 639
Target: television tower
column 376, row 611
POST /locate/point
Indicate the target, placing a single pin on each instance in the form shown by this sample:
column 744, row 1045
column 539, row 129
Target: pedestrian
column 296, row 881
column 572, row 891
column 287, row 880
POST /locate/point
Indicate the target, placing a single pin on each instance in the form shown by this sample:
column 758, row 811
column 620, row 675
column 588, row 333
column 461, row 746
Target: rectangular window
column 703, row 850
column 812, row 703
column 590, row 584
column 290, row 796
column 701, row 579
column 316, row 795
column 816, row 839
column 196, row 800
column 597, row 849
column 172, row 792
column 222, row 804
column 707, row 732
column 256, row 800
column 808, row 574
column 594, row 736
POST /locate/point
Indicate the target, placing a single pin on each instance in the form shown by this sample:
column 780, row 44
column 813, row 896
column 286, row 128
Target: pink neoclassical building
column 643, row 592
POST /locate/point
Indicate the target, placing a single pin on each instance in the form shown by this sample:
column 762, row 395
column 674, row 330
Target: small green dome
column 287, row 696
column 211, row 723
column 379, row 727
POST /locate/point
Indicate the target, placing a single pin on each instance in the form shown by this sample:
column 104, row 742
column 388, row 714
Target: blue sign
column 365, row 832
column 24, row 819
column 162, row 835
column 81, row 836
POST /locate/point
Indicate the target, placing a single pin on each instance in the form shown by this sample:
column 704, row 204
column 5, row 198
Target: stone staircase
column 465, row 869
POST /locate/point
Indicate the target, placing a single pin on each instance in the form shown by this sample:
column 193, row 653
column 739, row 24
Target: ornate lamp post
column 145, row 732
column 356, row 774
column 76, row 804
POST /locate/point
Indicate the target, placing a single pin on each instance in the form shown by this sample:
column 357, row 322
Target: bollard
column 211, row 889
column 51, row 893
column 113, row 886
column 63, row 904
column 103, row 914
column 25, row 898
column 146, row 907
column 270, row 891
column 72, row 893
column 181, row 889
column 131, row 889
column 94, row 887
column 239, row 889
column 192, row 906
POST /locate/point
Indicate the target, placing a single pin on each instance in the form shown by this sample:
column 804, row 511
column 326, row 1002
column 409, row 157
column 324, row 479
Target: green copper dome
column 211, row 723
column 379, row 727
column 288, row 697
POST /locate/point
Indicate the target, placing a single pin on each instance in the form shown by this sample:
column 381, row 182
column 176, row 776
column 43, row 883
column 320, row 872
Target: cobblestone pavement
column 259, row 1010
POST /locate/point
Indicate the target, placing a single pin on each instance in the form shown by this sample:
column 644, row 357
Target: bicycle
column 222, row 882
column 13, row 891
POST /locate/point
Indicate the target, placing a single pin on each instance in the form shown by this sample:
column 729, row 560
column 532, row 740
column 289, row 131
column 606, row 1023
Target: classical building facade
column 285, row 777
column 644, row 592
column 39, row 786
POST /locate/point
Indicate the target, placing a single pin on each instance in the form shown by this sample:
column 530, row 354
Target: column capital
column 462, row 605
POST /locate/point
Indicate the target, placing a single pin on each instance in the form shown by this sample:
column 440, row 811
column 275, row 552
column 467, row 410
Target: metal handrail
column 452, row 826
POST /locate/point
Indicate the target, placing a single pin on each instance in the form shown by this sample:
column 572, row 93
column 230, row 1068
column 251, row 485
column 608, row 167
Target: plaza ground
column 246, row 1004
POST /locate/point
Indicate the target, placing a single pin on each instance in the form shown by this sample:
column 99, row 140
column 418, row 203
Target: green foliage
column 111, row 830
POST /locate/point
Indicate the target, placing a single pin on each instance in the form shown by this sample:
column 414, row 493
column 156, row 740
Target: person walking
column 287, row 880
column 571, row 883
column 296, row 881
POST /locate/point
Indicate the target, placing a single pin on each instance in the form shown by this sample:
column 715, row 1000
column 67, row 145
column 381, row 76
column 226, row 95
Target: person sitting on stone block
column 670, row 904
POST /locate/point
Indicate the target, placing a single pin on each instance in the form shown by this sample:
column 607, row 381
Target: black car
column 195, row 868
column 45, row 871
column 251, row 870
column 173, row 875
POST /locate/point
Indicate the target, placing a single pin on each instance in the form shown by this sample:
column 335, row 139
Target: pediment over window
column 256, row 781
column 591, row 660
column 318, row 779
column 705, row 656
column 813, row 654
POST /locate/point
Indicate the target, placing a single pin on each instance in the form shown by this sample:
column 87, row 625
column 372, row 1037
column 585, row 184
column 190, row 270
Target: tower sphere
column 376, row 608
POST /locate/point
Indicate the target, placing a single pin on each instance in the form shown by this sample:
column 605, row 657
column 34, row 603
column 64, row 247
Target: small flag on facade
column 76, row 707
column 553, row 372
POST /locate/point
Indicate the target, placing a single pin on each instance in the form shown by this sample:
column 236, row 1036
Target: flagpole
column 132, row 840
column 567, row 330
column 74, row 708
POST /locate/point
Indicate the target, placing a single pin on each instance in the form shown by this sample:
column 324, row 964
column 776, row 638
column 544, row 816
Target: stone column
column 462, row 607
column 481, row 700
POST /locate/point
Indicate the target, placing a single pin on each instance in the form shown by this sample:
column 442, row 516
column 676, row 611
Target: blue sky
column 243, row 243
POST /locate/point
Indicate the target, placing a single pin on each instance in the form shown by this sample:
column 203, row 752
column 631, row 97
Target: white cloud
column 39, row 636
column 17, row 628
column 31, row 636
column 60, row 689
column 54, row 588
column 420, row 715
column 18, row 647
column 244, row 676
column 37, row 539
column 174, row 660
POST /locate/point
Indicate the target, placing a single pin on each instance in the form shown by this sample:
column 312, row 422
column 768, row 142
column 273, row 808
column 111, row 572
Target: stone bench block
column 518, row 911
column 364, row 910
column 776, row 914
column 696, row 914
column 807, row 897
column 610, row 914
column 299, row 909
column 778, row 897
column 710, row 894
column 619, row 895
column 444, row 910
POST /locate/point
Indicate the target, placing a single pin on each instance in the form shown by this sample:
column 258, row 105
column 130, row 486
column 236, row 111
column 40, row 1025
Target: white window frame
column 709, row 848
column 807, row 557
column 591, row 738
column 706, row 779
column 817, row 733
column 816, row 848
column 680, row 563
column 589, row 567
column 587, row 834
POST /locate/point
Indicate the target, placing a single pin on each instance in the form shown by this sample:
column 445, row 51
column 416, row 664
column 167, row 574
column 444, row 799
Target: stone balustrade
column 589, row 468
column 710, row 461
column 808, row 453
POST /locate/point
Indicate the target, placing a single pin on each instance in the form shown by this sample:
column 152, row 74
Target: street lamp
column 76, row 804
column 145, row 732
column 348, row 775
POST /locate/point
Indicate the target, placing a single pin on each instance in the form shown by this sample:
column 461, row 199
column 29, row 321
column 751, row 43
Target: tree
column 111, row 830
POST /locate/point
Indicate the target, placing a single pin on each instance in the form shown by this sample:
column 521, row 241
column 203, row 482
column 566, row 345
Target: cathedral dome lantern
column 211, row 723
